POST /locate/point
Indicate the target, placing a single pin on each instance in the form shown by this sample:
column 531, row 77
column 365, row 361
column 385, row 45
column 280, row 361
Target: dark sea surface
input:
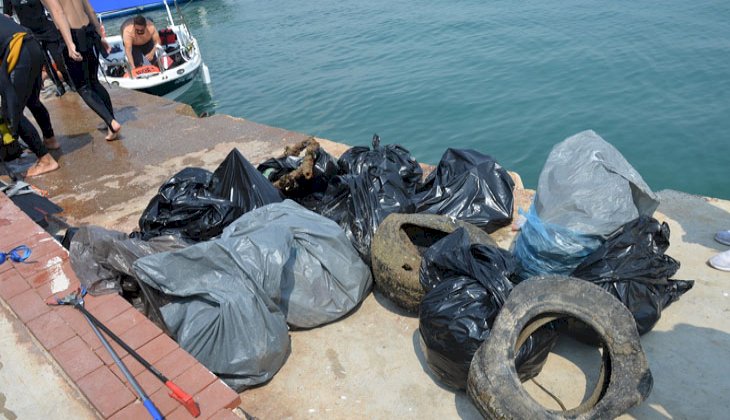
column 507, row 78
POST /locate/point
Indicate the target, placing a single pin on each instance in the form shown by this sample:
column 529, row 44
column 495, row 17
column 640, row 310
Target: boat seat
column 167, row 36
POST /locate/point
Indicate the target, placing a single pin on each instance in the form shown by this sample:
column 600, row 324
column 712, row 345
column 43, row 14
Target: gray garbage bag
column 227, row 311
column 102, row 257
column 325, row 278
column 587, row 186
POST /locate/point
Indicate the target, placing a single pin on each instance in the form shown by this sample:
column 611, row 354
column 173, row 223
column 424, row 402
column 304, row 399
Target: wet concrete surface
column 110, row 183
column 370, row 364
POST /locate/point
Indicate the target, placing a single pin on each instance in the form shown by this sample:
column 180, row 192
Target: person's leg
column 97, row 86
column 40, row 113
column 55, row 49
column 79, row 72
column 102, row 94
column 26, row 78
column 60, row 90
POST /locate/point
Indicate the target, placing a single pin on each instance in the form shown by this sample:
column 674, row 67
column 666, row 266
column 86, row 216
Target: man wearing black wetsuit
column 83, row 48
column 20, row 85
column 32, row 15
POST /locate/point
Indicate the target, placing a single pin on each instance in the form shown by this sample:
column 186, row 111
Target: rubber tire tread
column 493, row 384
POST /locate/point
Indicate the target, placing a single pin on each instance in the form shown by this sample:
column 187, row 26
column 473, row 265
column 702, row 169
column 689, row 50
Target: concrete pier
column 370, row 364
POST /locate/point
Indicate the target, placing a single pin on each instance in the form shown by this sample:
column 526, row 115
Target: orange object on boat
column 145, row 70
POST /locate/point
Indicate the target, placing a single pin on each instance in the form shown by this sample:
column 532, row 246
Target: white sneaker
column 721, row 261
column 723, row 237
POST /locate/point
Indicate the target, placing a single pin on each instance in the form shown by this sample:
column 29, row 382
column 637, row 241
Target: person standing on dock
column 20, row 84
column 84, row 69
column 32, row 15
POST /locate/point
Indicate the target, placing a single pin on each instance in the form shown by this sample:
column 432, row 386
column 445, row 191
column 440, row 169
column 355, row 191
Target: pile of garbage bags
column 234, row 296
column 240, row 255
column 586, row 190
column 196, row 204
column 372, row 183
column 591, row 218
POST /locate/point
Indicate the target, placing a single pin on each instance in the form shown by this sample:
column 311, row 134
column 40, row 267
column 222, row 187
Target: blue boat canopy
column 114, row 8
column 102, row 6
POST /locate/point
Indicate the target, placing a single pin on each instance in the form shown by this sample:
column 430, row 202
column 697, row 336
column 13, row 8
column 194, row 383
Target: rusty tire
column 396, row 252
column 624, row 381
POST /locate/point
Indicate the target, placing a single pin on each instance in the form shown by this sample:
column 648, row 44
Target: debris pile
column 228, row 261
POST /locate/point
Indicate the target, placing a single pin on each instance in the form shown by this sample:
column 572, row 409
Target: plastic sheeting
column 326, row 278
column 275, row 264
column 101, row 257
column 469, row 186
column 546, row 248
column 391, row 159
column 466, row 286
column 375, row 183
column 632, row 266
column 587, row 186
column 226, row 309
column 197, row 205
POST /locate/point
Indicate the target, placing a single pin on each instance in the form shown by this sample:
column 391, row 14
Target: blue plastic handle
column 150, row 406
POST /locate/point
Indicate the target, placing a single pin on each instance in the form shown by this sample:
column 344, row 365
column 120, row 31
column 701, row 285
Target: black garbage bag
column 305, row 191
column 391, row 158
column 183, row 206
column 469, row 186
column 237, row 181
column 372, row 184
column 632, row 266
column 466, row 286
column 197, row 205
column 359, row 203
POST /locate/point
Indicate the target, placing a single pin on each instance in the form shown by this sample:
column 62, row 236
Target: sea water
column 507, row 78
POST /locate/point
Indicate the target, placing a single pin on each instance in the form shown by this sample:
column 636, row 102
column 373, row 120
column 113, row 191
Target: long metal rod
column 140, row 392
column 177, row 393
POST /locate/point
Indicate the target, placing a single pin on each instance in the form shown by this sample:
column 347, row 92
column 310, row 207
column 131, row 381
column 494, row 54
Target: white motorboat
column 179, row 59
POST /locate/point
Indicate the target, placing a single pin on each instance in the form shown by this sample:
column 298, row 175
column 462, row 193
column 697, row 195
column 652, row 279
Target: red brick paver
column 105, row 391
column 12, row 284
column 50, row 329
column 76, row 358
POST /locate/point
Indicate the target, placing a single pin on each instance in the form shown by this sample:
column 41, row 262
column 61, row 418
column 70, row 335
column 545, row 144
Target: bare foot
column 45, row 164
column 51, row 143
column 113, row 132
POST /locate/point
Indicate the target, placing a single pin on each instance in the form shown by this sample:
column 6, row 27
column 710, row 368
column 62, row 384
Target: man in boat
column 82, row 60
column 141, row 40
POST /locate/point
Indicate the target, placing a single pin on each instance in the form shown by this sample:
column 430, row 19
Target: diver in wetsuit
column 140, row 38
column 88, row 40
column 32, row 15
column 20, row 85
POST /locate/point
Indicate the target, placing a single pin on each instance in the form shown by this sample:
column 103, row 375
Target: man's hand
column 73, row 53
